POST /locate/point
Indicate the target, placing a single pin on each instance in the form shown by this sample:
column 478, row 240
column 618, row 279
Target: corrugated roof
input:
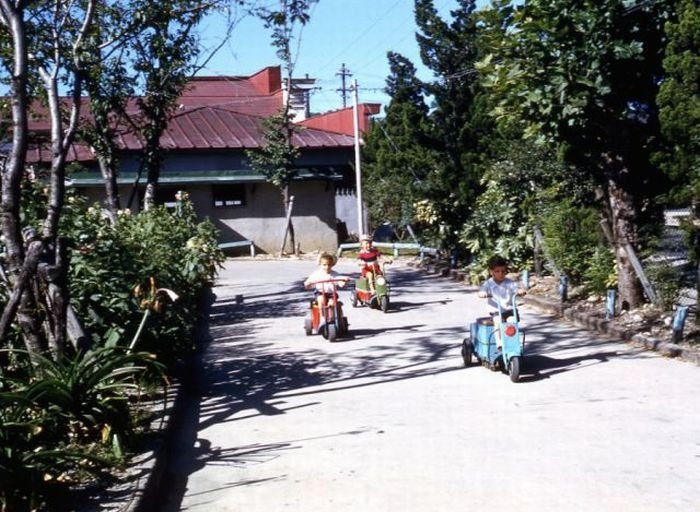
column 208, row 128
column 214, row 113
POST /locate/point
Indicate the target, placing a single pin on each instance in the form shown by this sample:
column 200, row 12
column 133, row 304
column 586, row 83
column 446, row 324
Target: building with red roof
column 205, row 143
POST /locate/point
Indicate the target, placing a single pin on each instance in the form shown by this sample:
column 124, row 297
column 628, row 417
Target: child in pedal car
column 368, row 258
column 500, row 291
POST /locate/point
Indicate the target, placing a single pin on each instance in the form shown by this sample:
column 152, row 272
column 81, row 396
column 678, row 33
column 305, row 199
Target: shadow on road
column 243, row 378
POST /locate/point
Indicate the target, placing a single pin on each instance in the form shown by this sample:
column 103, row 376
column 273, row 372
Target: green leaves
column 276, row 159
column 53, row 426
column 679, row 101
column 173, row 247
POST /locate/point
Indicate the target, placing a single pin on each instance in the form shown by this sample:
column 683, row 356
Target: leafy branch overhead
column 276, row 159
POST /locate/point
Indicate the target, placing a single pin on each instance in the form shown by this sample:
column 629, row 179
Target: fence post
column 526, row 279
column 648, row 288
column 610, row 304
column 679, row 323
column 563, row 287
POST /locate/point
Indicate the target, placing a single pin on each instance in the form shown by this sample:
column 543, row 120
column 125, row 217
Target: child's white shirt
column 500, row 293
column 320, row 275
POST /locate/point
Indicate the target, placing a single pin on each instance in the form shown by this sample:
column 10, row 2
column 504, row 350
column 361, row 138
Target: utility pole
column 343, row 73
column 358, row 171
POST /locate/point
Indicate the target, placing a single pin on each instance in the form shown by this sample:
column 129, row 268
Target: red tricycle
column 328, row 320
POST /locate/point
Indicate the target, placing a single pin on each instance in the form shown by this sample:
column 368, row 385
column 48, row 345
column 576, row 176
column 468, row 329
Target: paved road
column 389, row 419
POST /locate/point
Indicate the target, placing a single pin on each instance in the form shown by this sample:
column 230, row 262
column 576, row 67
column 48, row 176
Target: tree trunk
column 111, row 188
column 621, row 221
column 149, row 195
column 14, row 167
column 287, row 203
column 30, row 324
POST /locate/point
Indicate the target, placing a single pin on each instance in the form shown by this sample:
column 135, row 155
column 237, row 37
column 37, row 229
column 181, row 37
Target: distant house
column 218, row 119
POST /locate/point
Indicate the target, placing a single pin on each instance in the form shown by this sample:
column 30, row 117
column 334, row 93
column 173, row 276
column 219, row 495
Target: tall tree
column 679, row 102
column 150, row 49
column 54, row 45
column 396, row 155
column 109, row 86
column 584, row 76
column 46, row 40
column 276, row 160
column 164, row 56
column 460, row 128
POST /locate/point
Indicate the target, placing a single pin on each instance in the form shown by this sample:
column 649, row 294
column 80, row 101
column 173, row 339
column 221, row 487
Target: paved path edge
column 589, row 321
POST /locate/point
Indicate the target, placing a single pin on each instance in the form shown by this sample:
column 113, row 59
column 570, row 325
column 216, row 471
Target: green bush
column 666, row 282
column 498, row 227
column 65, row 420
column 65, row 423
column 599, row 274
column 573, row 241
column 111, row 262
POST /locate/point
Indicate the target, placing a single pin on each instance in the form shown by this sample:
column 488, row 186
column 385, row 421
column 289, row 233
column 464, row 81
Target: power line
column 360, row 36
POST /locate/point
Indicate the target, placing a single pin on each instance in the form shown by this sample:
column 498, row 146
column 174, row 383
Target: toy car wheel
column 514, row 369
column 307, row 326
column 467, row 352
column 331, row 332
column 353, row 297
column 384, row 304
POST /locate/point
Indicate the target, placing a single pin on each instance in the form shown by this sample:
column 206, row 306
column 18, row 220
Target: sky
column 356, row 33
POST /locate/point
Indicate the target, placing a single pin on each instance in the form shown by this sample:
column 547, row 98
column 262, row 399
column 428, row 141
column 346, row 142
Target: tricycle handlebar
column 337, row 280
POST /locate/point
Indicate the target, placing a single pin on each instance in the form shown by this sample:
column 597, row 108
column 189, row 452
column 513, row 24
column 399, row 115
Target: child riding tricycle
column 497, row 341
column 372, row 287
column 326, row 310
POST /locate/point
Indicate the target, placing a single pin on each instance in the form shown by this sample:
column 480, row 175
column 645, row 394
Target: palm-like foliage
column 61, row 423
column 30, row 462
column 89, row 394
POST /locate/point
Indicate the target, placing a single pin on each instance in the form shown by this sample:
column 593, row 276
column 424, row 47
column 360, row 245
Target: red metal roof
column 342, row 121
column 217, row 127
column 205, row 128
column 214, row 113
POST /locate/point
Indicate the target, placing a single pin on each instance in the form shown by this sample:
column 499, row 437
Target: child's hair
column 497, row 261
column 326, row 256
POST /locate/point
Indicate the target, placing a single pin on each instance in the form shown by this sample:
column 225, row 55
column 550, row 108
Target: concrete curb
column 592, row 322
column 148, row 496
column 141, row 487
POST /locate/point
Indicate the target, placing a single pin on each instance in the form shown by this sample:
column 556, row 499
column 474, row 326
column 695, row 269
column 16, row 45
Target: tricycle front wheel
column 331, row 332
column 514, row 369
column 467, row 352
column 384, row 304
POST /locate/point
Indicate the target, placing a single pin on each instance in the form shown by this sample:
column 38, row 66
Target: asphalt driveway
column 388, row 419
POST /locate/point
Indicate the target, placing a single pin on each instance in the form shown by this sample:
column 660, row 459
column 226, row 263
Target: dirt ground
column 647, row 319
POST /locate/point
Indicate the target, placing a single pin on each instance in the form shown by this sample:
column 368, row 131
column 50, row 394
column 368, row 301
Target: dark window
column 229, row 195
column 165, row 196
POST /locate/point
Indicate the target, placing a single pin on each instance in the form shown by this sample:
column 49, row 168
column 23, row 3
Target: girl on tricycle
column 326, row 315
